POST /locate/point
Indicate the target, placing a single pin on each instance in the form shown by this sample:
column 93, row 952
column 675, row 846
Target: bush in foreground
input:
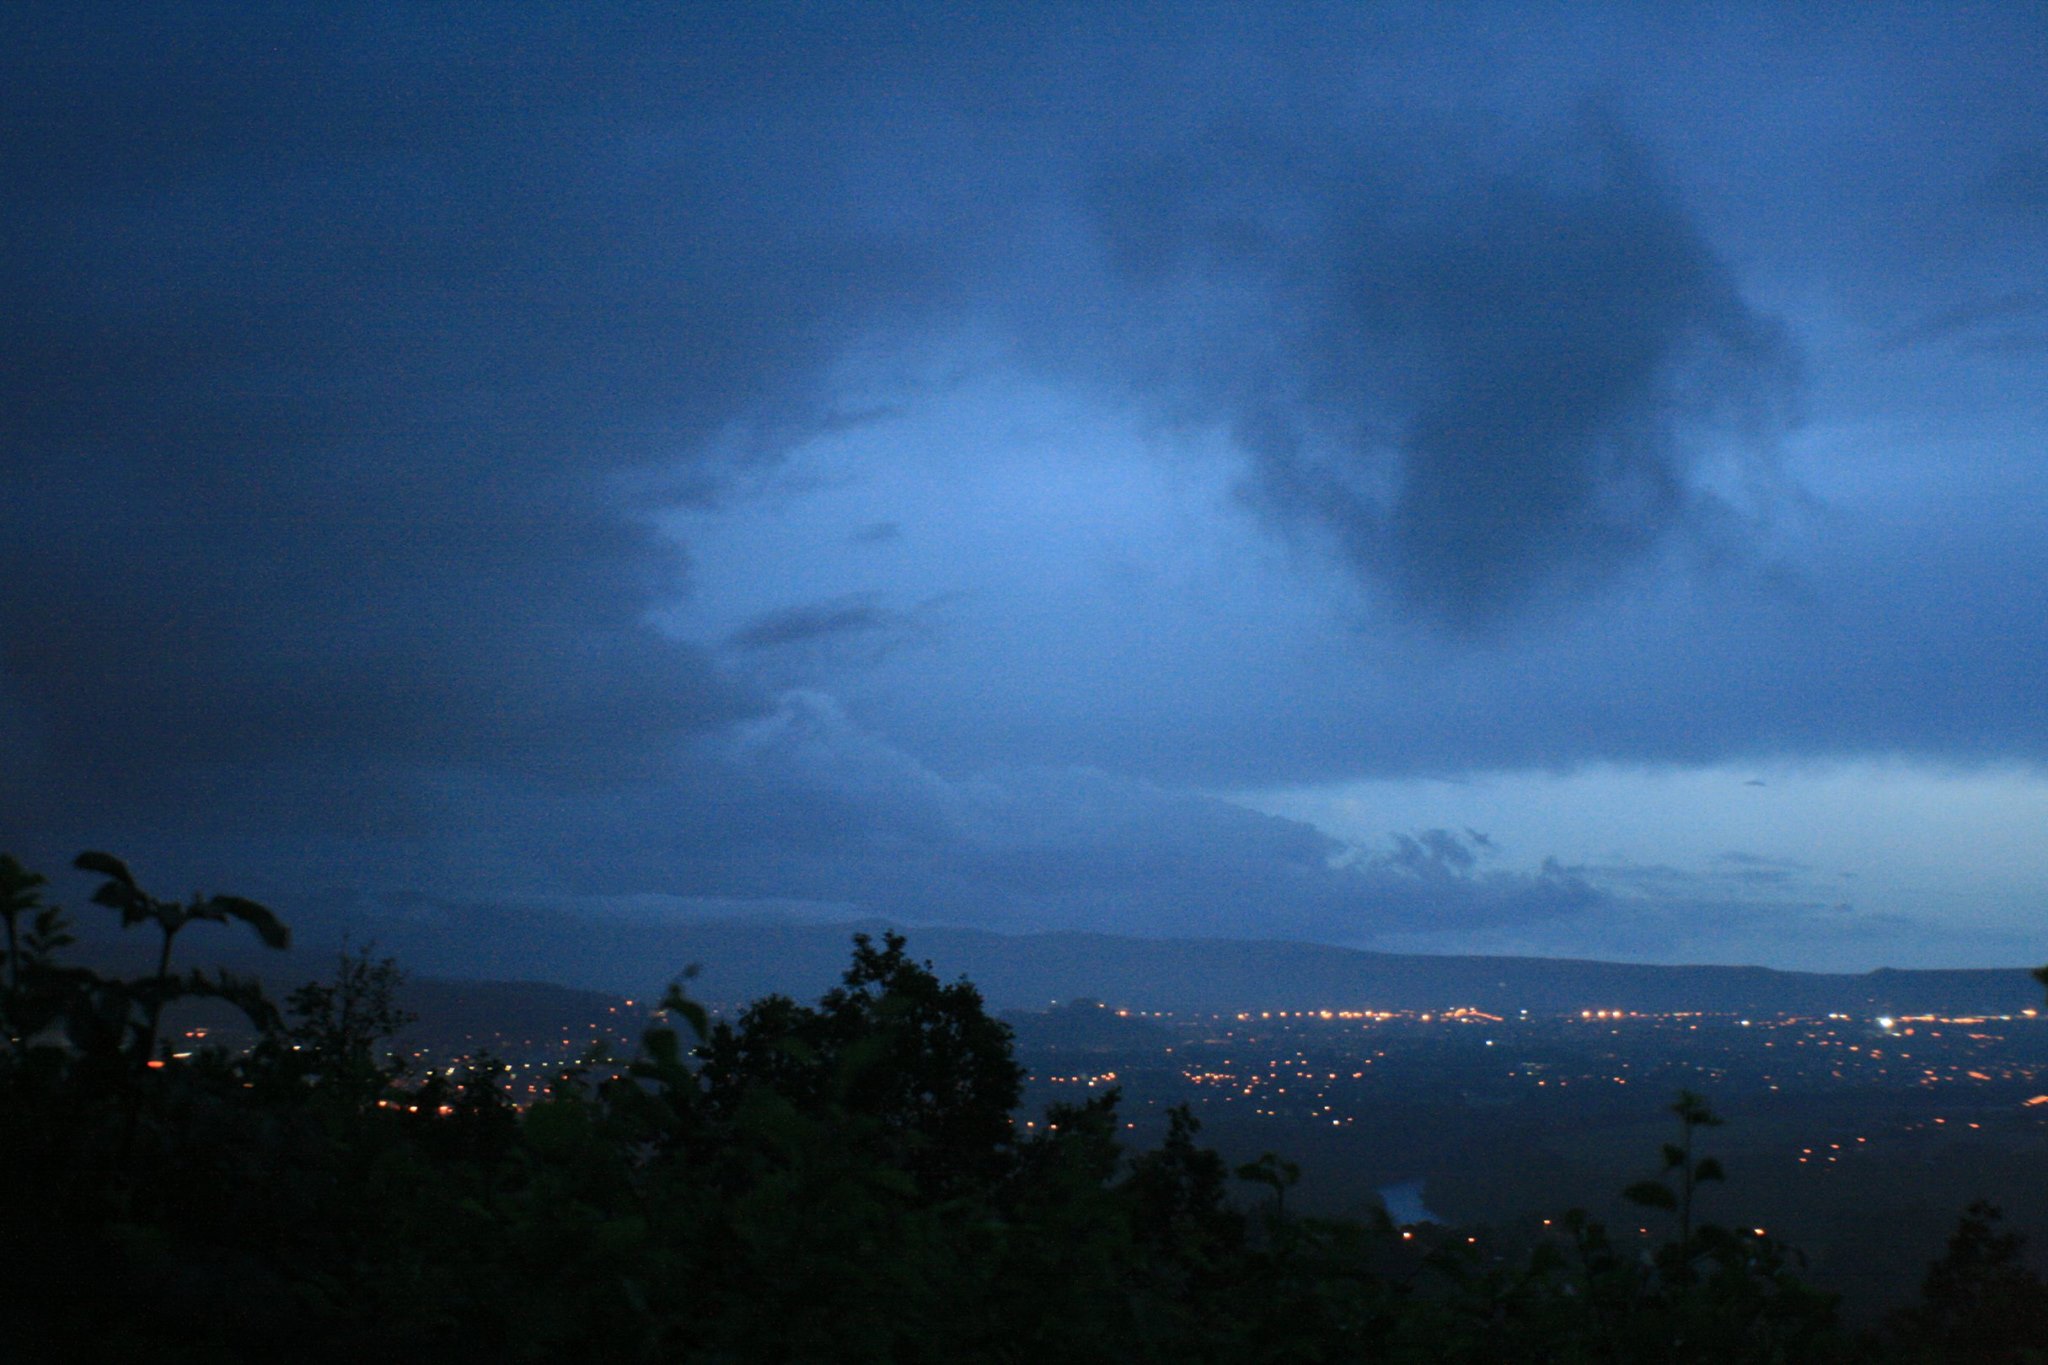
column 838, row 1181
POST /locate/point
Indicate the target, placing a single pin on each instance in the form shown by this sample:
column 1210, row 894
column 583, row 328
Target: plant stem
column 156, row 1004
column 13, row 973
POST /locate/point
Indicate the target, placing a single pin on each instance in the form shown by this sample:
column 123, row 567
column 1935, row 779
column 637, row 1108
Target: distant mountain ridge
column 742, row 959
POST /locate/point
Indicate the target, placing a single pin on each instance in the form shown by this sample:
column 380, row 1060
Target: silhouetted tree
column 1682, row 1176
column 1980, row 1300
column 922, row 1063
column 834, row 1181
column 335, row 1027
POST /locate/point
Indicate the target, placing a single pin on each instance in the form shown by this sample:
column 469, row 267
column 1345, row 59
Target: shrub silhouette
column 836, row 1181
column 147, row 996
column 1980, row 1301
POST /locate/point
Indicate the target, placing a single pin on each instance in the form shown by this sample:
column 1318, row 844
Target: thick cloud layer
column 1480, row 383
column 910, row 461
column 803, row 807
column 346, row 359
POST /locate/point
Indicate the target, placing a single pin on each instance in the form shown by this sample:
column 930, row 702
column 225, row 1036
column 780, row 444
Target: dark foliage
column 832, row 1182
column 1980, row 1302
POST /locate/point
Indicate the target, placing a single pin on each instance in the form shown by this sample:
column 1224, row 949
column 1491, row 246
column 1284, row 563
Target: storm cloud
column 824, row 623
column 1478, row 383
column 345, row 358
column 957, row 464
column 803, row 805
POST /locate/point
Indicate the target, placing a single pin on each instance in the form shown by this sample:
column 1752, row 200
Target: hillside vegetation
column 831, row 1181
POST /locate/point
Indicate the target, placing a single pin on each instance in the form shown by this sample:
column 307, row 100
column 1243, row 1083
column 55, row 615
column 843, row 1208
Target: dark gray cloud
column 878, row 533
column 803, row 804
column 1013, row 848
column 346, row 359
column 1433, row 881
column 357, row 365
column 1481, row 383
column 1725, row 878
column 1074, row 847
column 854, row 614
column 1432, row 854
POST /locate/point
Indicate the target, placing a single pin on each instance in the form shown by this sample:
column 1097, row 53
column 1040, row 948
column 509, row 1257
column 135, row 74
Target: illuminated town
column 1337, row 1066
column 1845, row 1133
column 1855, row 1137
column 1333, row 1065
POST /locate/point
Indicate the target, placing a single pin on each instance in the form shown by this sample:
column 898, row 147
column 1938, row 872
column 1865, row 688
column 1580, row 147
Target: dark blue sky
column 1456, row 477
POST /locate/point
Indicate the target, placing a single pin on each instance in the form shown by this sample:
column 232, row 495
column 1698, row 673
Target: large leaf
column 119, row 891
column 245, row 993
column 106, row 865
column 267, row 925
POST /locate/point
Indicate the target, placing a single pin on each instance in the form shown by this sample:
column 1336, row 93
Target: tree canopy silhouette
column 843, row 1180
